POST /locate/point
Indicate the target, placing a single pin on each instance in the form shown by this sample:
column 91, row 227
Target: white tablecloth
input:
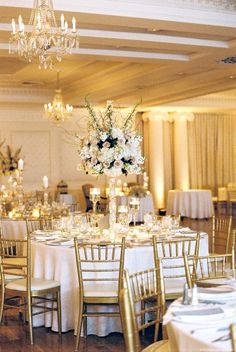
column 195, row 204
column 14, row 229
column 200, row 337
column 58, row 263
column 146, row 205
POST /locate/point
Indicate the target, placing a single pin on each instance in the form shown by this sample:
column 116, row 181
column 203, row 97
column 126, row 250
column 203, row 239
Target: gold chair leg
column 2, row 303
column 143, row 316
column 30, row 320
column 79, row 325
column 85, row 322
column 164, row 332
column 156, row 331
column 59, row 310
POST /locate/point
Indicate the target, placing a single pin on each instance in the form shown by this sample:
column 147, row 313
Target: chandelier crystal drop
column 46, row 40
column 57, row 111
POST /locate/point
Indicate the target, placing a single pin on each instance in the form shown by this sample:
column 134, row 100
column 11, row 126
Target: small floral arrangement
column 8, row 159
column 112, row 146
column 137, row 191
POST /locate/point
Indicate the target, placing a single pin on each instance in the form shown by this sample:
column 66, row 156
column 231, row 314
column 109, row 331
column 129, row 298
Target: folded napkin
column 44, row 238
column 198, row 312
column 47, row 232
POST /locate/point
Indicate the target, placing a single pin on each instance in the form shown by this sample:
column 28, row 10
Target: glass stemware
column 134, row 206
column 94, row 196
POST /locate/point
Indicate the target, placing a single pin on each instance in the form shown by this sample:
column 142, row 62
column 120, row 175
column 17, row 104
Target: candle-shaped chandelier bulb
column 46, row 41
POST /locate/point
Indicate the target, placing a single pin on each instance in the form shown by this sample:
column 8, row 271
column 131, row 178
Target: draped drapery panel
column 212, row 150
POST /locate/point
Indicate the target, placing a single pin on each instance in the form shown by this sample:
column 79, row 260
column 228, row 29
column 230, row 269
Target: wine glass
column 94, row 196
column 134, row 206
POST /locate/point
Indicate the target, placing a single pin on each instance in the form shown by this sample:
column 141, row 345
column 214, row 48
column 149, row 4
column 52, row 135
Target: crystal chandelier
column 57, row 111
column 46, row 40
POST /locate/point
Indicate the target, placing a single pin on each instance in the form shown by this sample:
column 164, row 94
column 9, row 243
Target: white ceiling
column 131, row 50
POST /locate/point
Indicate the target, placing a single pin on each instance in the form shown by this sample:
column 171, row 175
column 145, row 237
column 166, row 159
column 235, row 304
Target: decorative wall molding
column 215, row 101
column 168, row 116
column 25, row 95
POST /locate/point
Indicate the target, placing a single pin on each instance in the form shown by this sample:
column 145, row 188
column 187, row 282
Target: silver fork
column 222, row 338
column 225, row 328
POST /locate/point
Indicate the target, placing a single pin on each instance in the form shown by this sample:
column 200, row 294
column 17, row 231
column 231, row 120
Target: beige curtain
column 212, row 146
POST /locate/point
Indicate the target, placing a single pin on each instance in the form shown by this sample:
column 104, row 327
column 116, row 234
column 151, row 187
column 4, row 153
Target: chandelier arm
column 44, row 36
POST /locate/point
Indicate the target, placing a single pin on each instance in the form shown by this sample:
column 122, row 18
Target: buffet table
column 146, row 205
column 194, row 203
column 57, row 262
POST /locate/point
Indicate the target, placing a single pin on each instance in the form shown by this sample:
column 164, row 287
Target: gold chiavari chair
column 171, row 253
column 25, row 293
column 206, row 270
column 100, row 269
column 39, row 224
column 137, row 288
column 221, row 239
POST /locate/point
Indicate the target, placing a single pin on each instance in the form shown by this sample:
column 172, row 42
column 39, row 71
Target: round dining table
column 57, row 262
column 192, row 203
column 14, row 229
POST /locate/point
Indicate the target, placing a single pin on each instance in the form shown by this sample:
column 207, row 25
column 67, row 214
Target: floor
column 14, row 336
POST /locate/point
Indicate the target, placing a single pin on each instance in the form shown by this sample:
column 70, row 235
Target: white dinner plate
column 222, row 315
column 218, row 293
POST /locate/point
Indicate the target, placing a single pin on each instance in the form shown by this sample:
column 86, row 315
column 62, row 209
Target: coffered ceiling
column 160, row 52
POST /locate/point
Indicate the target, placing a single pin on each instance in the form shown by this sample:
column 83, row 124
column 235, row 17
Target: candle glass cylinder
column 134, row 206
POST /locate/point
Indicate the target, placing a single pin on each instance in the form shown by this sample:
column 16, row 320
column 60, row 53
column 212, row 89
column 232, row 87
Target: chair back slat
column 221, row 239
column 172, row 252
column 213, row 266
column 14, row 259
column 99, row 262
column 138, row 288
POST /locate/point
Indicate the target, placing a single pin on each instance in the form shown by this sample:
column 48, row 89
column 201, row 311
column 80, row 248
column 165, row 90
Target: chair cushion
column 36, row 284
column 160, row 346
column 174, row 285
column 100, row 289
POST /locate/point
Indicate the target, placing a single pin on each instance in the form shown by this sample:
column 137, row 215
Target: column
column 156, row 156
column 181, row 162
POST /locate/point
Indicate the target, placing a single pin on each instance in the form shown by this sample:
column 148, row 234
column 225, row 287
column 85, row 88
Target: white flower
column 103, row 136
column 118, row 164
column 120, row 147
column 106, row 145
column 117, row 133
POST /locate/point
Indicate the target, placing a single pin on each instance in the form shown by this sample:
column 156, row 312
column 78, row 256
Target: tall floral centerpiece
column 112, row 147
column 8, row 159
